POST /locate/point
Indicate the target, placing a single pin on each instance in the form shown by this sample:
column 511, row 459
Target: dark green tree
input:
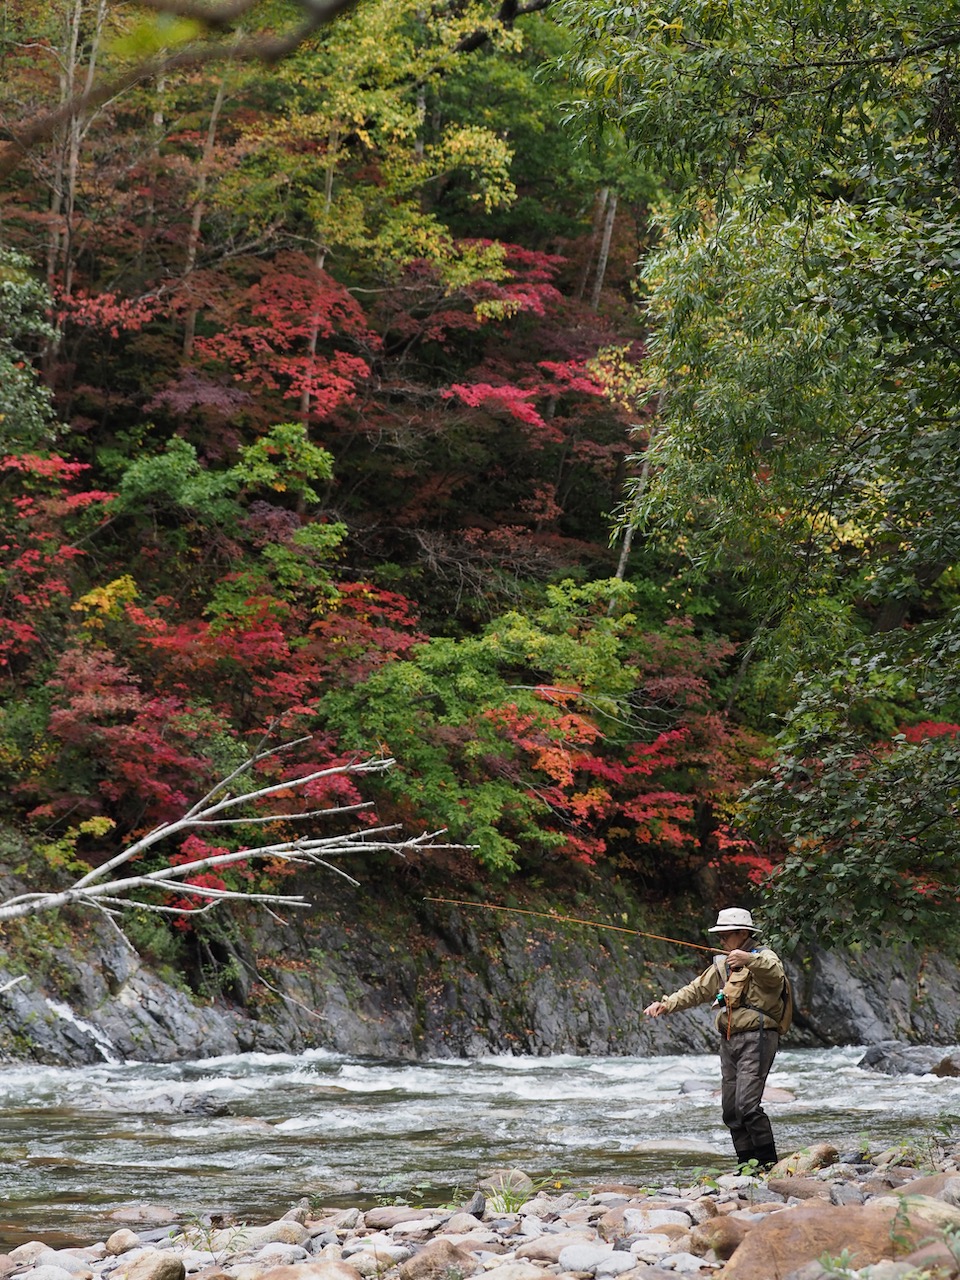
column 806, row 335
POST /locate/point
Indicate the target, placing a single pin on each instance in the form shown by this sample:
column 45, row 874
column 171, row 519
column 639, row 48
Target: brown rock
column 547, row 1248
column 611, row 1224
column 28, row 1252
column 393, row 1215
column 931, row 1185
column 156, row 1264
column 802, row 1188
column 818, row 1156
column 122, row 1241
column 783, row 1242
column 935, row 1257
column 929, row 1209
column 7, row 1264
column 439, row 1260
column 673, row 1230
column 722, row 1234
column 318, row 1270
column 700, row 1210
column 154, row 1215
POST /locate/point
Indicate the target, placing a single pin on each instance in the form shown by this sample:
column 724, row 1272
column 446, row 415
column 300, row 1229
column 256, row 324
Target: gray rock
column 614, row 1264
column 686, row 1263
column 476, row 1204
column 277, row 1252
column 51, row 1272
column 845, row 1193
column 584, row 1257
column 893, row 1058
column 809, row 1271
column 638, row 1221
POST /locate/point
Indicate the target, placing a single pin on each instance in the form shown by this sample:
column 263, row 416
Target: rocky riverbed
column 818, row 1215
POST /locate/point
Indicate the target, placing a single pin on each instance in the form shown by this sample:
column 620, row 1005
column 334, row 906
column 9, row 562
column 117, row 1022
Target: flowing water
column 77, row 1143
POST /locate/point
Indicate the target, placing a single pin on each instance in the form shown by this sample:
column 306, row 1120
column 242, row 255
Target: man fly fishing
column 750, row 990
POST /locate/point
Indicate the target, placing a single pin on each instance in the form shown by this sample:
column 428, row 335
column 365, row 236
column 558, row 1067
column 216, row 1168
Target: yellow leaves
column 106, row 602
column 484, row 156
column 155, row 34
column 617, row 373
column 496, row 308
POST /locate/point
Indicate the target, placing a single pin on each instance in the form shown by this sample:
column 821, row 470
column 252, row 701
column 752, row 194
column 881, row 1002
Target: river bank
column 820, row 1214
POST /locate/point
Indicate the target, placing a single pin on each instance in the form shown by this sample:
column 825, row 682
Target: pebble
column 639, row 1233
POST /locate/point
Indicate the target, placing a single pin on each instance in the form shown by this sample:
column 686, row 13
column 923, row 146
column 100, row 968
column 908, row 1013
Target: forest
column 560, row 399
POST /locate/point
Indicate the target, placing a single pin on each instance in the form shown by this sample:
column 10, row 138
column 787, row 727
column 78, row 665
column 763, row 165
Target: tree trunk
column 599, row 208
column 196, row 217
column 604, row 251
column 333, row 141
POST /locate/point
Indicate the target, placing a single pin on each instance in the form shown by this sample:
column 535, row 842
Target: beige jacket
column 763, row 990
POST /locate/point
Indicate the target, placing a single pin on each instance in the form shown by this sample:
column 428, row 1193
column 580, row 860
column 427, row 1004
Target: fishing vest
column 732, row 995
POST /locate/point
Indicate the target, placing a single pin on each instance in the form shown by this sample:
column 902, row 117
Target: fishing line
column 595, row 924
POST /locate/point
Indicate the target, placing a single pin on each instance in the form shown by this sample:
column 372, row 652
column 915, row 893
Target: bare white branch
column 110, row 893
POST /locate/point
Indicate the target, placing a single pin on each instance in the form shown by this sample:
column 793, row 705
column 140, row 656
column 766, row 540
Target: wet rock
column 893, row 1058
column 154, row 1214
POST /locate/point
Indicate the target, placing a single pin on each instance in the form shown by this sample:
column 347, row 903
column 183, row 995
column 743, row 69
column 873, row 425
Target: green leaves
column 805, row 364
column 26, row 412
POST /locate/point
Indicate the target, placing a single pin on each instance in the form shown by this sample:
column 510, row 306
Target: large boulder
column 893, row 1058
column 784, row 1242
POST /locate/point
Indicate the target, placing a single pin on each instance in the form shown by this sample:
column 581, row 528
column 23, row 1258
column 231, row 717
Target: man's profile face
column 734, row 940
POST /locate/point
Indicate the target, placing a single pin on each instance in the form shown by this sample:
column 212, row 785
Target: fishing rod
column 596, row 924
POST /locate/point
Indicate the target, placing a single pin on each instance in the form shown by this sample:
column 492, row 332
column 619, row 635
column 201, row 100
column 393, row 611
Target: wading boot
column 766, row 1156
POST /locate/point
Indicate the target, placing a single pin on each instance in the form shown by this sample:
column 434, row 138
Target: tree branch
column 102, row 889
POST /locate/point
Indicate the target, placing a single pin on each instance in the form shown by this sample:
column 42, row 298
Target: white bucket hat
column 731, row 919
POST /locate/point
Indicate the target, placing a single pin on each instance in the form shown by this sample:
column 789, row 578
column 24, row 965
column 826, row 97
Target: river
column 79, row 1142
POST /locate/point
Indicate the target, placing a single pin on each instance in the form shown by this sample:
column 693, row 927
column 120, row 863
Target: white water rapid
column 77, row 1143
